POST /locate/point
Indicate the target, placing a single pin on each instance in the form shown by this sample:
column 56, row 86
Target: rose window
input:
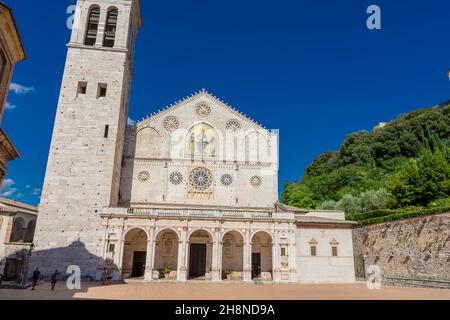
column 176, row 178
column 256, row 181
column 233, row 125
column 143, row 176
column 226, row 180
column 171, row 123
column 201, row 179
column 203, row 110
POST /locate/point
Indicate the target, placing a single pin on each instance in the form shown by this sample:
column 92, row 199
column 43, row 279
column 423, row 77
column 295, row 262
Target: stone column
column 292, row 256
column 101, row 28
column 119, row 262
column 104, row 254
column 276, row 258
column 216, row 256
column 104, row 245
column 148, row 276
column 182, row 256
column 247, row 256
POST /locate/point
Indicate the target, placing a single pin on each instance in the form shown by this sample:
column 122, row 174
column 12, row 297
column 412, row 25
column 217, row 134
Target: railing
column 197, row 213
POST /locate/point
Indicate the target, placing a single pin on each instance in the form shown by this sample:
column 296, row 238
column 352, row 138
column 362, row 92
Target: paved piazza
column 194, row 291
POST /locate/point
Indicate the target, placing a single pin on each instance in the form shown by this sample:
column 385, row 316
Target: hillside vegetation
column 403, row 166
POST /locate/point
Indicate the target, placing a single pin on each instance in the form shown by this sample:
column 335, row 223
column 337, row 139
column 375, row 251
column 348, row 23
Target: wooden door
column 197, row 260
column 139, row 258
column 256, row 264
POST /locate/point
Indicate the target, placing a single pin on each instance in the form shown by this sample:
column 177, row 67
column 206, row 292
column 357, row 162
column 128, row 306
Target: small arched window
column 110, row 29
column 92, row 26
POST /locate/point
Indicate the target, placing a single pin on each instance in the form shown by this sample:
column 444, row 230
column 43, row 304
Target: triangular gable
column 182, row 103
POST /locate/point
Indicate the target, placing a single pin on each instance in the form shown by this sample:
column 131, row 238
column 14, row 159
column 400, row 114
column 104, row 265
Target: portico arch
column 135, row 253
column 233, row 255
column 29, row 233
column 262, row 256
column 200, row 255
column 166, row 252
column 17, row 232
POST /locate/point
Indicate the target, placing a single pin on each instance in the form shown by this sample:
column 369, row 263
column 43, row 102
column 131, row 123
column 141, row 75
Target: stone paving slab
column 197, row 291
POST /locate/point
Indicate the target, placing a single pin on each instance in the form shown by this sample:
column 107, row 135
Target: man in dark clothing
column 54, row 279
column 36, row 275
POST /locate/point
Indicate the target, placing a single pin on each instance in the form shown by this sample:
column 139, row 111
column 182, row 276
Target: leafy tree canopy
column 405, row 163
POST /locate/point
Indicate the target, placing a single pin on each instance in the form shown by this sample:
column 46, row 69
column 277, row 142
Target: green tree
column 390, row 158
column 422, row 180
column 298, row 195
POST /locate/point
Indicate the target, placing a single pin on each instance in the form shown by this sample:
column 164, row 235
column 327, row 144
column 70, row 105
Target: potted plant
column 167, row 272
column 229, row 274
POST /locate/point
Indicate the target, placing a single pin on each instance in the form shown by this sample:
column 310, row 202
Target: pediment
column 204, row 105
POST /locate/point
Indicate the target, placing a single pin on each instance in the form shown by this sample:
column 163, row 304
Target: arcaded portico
column 248, row 246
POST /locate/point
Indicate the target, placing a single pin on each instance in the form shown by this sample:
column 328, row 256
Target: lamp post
column 25, row 267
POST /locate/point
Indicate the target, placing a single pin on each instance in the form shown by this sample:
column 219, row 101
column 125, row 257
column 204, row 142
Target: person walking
column 54, row 279
column 36, row 275
column 104, row 276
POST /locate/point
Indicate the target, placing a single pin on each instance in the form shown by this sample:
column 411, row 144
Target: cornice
column 184, row 162
column 11, row 33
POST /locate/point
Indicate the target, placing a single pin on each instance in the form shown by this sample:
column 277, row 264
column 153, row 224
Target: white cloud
column 8, row 188
column 130, row 121
column 8, row 183
column 10, row 106
column 20, row 89
column 36, row 192
column 8, row 193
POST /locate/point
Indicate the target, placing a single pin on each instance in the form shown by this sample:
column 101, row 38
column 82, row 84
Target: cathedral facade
column 191, row 192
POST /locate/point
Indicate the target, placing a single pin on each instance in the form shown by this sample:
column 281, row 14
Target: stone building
column 17, row 226
column 191, row 192
column 11, row 51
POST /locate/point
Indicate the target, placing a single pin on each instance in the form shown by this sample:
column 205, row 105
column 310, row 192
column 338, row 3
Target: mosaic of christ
column 202, row 141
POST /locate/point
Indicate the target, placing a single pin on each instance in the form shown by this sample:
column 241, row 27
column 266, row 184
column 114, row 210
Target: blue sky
column 308, row 68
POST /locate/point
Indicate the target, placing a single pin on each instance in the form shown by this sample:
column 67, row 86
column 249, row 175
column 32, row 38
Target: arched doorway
column 233, row 255
column 134, row 254
column 200, row 255
column 262, row 256
column 166, row 254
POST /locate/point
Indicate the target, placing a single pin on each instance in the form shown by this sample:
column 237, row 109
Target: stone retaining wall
column 410, row 252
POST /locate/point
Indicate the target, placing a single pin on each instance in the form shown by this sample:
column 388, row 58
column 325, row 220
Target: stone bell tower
column 84, row 164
